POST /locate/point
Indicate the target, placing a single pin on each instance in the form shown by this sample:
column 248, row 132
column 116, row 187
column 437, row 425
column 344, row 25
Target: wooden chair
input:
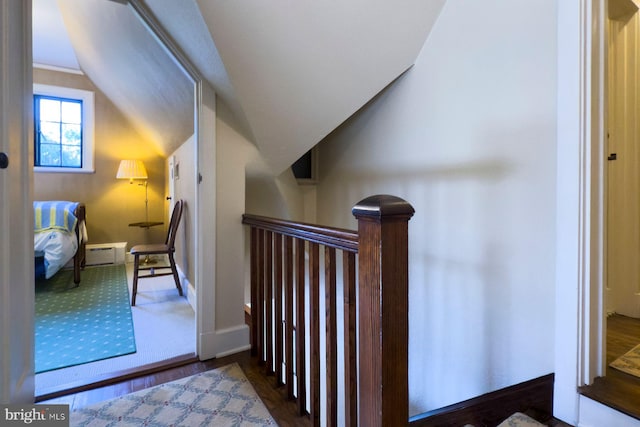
column 166, row 248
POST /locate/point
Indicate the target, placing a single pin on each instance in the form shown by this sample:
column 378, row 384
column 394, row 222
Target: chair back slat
column 173, row 224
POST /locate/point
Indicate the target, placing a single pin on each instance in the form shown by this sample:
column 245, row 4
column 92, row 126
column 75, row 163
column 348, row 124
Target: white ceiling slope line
column 58, row 68
column 299, row 69
column 121, row 57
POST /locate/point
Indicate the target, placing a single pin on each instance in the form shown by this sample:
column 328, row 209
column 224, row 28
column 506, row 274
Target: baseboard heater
column 106, row 253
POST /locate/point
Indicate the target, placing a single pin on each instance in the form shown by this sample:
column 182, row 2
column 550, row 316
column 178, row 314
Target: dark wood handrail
column 338, row 238
column 286, row 262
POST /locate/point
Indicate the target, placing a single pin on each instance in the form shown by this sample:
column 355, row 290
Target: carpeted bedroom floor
column 164, row 325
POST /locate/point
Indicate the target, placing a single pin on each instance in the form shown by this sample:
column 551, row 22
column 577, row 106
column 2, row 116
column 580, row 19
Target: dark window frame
column 38, row 134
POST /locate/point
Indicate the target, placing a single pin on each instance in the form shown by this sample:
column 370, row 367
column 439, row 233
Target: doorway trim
column 579, row 340
column 204, row 115
column 16, row 218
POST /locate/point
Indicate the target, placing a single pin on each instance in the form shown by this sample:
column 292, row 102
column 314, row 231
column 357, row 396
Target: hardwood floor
column 284, row 412
column 616, row 389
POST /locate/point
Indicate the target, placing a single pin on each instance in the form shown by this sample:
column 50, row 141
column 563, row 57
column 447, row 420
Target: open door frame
column 219, row 275
column 205, row 179
column 215, row 335
column 16, row 211
column 580, row 315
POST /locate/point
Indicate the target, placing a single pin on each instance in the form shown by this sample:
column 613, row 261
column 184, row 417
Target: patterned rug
column 221, row 397
column 629, row 362
column 520, row 420
column 82, row 324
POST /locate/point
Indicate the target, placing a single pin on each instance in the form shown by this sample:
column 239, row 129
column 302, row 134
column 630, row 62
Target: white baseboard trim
column 191, row 294
column 593, row 414
column 224, row 342
column 188, row 288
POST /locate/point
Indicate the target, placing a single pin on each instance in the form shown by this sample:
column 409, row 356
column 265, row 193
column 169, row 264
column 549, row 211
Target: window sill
column 44, row 169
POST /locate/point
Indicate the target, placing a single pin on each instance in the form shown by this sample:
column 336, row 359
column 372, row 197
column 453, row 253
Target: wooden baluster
column 268, row 297
column 277, row 260
column 254, row 291
column 350, row 350
column 301, row 375
column 314, row 331
column 288, row 315
column 331, row 342
column 383, row 310
column 260, row 292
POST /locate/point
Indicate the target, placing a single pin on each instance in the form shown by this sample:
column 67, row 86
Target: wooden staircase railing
column 375, row 362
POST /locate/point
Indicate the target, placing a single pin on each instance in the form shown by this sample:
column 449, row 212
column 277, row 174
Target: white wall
column 467, row 136
column 185, row 185
column 232, row 151
column 243, row 185
column 274, row 196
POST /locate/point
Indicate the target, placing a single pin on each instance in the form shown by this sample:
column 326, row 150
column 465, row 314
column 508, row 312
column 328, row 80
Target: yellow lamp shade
column 131, row 169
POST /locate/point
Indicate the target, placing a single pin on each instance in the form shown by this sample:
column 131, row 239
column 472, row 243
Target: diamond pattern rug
column 628, row 362
column 82, row 324
column 221, row 397
column 520, row 420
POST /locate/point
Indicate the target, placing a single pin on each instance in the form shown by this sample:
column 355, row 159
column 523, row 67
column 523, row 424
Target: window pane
column 50, row 110
column 71, row 134
column 49, row 155
column 60, row 129
column 71, row 156
column 50, row 132
column 71, row 112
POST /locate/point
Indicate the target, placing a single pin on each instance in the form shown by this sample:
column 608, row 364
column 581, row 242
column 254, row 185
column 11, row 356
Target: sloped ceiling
column 184, row 23
column 300, row 68
column 51, row 43
column 117, row 52
column 290, row 72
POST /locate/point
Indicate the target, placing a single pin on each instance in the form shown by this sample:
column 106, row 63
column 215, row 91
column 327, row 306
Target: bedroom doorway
column 622, row 205
column 622, row 167
column 200, row 115
column 16, row 315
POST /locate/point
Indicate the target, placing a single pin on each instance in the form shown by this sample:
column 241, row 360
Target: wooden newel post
column 383, row 310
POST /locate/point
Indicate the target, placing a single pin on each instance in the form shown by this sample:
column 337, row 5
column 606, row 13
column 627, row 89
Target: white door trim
column 16, row 210
column 579, row 343
column 205, row 179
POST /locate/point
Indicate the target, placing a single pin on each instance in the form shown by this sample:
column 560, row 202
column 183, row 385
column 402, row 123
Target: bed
column 60, row 235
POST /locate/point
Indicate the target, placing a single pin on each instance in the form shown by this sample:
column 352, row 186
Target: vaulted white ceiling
column 290, row 72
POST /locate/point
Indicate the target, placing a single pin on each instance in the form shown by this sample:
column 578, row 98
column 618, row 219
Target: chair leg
column 136, row 264
column 174, row 270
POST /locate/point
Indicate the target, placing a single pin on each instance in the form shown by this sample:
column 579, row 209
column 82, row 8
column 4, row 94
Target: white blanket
column 57, row 247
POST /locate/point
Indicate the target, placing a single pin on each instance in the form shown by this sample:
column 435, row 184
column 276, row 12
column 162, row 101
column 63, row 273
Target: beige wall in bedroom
column 111, row 204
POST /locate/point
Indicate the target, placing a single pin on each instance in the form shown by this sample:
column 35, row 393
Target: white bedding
column 54, row 226
column 57, row 247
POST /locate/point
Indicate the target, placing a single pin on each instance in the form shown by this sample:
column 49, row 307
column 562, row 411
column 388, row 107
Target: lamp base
column 148, row 261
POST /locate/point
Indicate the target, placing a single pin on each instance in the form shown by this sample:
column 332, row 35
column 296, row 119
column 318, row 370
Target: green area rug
column 221, row 397
column 83, row 324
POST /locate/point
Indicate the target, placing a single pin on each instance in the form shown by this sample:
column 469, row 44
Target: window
column 305, row 169
column 63, row 129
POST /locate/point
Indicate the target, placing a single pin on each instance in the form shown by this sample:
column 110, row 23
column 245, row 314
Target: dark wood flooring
column 616, row 389
column 284, row 412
